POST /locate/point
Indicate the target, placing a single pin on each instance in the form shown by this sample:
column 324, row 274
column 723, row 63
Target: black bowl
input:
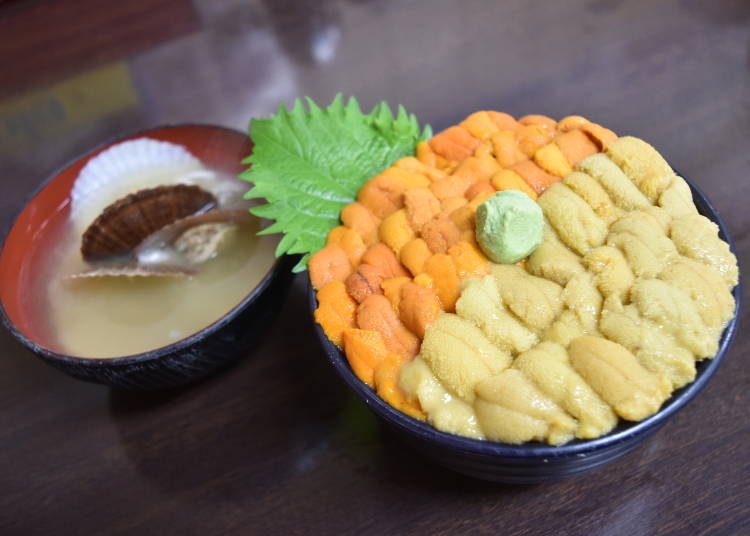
column 534, row 462
column 187, row 360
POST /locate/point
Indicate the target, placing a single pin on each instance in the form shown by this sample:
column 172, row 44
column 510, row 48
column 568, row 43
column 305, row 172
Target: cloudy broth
column 104, row 317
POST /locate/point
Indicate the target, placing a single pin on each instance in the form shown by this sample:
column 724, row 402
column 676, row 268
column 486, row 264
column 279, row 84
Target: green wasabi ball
column 509, row 226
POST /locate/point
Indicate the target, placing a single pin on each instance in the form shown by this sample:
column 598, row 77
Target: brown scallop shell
column 127, row 222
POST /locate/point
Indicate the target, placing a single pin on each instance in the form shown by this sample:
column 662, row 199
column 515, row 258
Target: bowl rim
column 623, row 433
column 155, row 353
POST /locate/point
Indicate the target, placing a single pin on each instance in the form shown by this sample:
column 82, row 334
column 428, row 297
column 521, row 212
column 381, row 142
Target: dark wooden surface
column 276, row 444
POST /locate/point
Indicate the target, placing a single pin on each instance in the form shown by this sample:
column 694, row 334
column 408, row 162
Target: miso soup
column 118, row 316
column 113, row 316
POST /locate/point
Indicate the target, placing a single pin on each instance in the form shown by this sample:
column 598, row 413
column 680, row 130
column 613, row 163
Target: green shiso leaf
column 309, row 162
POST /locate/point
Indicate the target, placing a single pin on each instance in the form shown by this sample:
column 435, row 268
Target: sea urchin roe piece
column 392, row 289
column 376, row 313
column 480, row 302
column 510, row 408
column 575, row 221
column 480, row 125
column 442, row 270
column 329, row 264
column 507, row 179
column 642, row 164
column 364, row 350
column 697, row 237
column 677, row 199
column 612, row 273
column 616, row 376
column 553, row 260
column 588, row 189
column 357, row 217
column 414, row 255
column 551, row 159
column 350, row 241
column 673, row 310
column 705, row 287
column 421, row 206
column 549, row 368
column 396, row 230
column 460, row 355
column 385, row 381
column 509, row 226
column 336, row 311
column 657, row 351
column 621, row 190
column 535, row 301
column 418, row 307
column 444, row 410
column 454, row 143
column 571, row 122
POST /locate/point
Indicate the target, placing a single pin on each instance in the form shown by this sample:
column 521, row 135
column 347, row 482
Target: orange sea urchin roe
column 416, row 219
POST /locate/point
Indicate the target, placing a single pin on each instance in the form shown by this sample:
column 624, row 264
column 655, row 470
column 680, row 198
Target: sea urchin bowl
column 222, row 341
column 533, row 463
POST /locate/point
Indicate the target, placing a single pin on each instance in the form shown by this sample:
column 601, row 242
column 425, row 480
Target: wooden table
column 276, row 444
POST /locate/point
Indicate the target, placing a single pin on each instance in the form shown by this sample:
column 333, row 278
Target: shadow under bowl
column 534, row 462
column 212, row 348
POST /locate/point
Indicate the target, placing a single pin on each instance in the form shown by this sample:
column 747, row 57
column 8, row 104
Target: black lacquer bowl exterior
column 534, row 463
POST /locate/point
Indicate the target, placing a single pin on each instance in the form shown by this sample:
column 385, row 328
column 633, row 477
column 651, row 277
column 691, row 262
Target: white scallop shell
column 128, row 167
column 227, row 190
column 130, row 270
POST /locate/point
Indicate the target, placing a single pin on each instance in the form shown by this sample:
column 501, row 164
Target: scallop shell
column 194, row 239
column 126, row 223
column 132, row 270
column 126, row 167
column 230, row 193
column 202, row 242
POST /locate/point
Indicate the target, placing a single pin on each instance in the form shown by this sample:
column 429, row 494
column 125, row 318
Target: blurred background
column 76, row 72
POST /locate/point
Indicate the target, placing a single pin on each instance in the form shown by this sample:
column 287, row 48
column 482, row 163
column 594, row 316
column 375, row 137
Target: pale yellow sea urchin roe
column 549, row 368
column 480, row 303
column 446, row 412
column 656, row 350
column 616, row 375
column 628, row 289
column 509, row 408
column 461, row 355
